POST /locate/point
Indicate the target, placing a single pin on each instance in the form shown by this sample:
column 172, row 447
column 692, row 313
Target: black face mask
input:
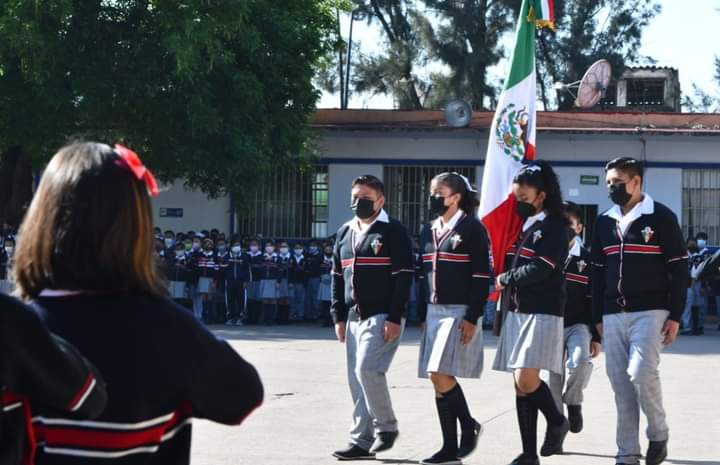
column 524, row 209
column 693, row 249
column 363, row 208
column 619, row 194
column 437, row 205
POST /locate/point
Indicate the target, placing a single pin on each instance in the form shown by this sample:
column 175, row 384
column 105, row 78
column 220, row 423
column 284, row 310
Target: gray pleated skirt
column 267, row 289
column 177, row 289
column 6, row 286
column 529, row 340
column 324, row 290
column 284, row 291
column 440, row 348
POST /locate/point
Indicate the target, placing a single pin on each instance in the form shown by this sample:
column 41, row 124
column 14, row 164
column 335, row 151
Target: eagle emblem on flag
column 581, row 265
column 455, row 241
column 376, row 245
column 511, row 129
column 647, row 234
column 537, row 235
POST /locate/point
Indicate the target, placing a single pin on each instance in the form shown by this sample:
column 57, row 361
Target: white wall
column 340, row 178
column 199, row 212
column 365, row 152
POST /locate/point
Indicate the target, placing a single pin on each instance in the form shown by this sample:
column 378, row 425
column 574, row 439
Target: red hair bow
column 131, row 161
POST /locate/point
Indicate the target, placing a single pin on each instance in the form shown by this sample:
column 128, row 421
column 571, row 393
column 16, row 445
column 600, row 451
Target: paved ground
column 307, row 407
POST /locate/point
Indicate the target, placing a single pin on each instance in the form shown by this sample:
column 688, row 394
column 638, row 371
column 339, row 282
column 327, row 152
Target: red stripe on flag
column 503, row 225
column 551, row 10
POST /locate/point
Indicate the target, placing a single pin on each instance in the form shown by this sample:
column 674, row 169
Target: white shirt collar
column 534, row 219
column 355, row 222
column 575, row 251
column 440, row 225
column 645, row 207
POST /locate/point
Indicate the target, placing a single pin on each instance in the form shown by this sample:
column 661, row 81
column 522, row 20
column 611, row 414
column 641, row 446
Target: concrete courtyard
column 307, row 407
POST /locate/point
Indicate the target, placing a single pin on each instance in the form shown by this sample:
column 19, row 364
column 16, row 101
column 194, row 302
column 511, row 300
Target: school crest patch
column 581, row 265
column 537, row 235
column 376, row 245
column 647, row 234
column 455, row 241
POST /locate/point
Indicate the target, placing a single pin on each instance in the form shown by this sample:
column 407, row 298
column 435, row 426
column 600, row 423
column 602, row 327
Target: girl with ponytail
column 456, row 265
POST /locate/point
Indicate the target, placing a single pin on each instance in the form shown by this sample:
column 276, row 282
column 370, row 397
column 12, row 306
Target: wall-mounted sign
column 171, row 212
column 589, row 180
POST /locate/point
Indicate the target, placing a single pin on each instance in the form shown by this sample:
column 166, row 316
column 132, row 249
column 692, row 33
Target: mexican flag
column 512, row 134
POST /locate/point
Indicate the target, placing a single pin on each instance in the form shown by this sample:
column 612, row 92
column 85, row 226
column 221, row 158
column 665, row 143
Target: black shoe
column 384, row 441
column 698, row 332
column 353, row 453
column 575, row 418
column 441, row 458
column 469, row 441
column 523, row 459
column 656, row 453
column 554, row 439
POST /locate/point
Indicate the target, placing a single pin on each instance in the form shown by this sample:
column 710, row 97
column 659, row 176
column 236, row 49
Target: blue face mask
column 702, row 243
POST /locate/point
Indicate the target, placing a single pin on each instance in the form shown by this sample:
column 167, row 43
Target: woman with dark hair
column 85, row 256
column 532, row 334
column 456, row 262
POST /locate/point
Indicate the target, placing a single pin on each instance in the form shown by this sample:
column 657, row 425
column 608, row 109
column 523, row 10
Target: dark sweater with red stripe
column 375, row 276
column 162, row 367
column 39, row 370
column 539, row 278
column 644, row 269
column 456, row 266
column 578, row 308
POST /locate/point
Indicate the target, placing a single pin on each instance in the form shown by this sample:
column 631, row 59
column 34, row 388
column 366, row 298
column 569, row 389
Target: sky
column 683, row 36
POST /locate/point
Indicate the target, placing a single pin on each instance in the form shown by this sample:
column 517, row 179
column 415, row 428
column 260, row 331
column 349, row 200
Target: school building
column 407, row 148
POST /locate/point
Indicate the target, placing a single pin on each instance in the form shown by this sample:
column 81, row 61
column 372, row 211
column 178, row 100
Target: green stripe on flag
column 523, row 58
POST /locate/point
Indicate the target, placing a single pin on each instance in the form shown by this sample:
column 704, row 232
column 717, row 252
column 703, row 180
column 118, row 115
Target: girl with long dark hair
column 532, row 333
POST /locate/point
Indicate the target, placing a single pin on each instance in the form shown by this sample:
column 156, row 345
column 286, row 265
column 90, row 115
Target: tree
column 467, row 40
column 393, row 72
column 588, row 30
column 701, row 101
column 215, row 93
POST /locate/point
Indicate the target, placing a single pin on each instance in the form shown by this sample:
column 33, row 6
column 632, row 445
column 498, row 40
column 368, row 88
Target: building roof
column 559, row 122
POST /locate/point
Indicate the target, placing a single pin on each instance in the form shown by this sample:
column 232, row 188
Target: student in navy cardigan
column 39, row 370
column 372, row 269
column 640, row 278
column 85, row 256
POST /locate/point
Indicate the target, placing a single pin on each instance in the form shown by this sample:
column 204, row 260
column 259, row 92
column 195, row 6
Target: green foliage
column 467, row 40
column 214, row 92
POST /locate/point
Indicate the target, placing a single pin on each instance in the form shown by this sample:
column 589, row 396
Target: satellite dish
column 458, row 114
column 591, row 88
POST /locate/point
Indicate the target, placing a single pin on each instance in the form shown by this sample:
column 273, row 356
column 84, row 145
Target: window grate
column 291, row 204
column 701, row 203
column 407, row 191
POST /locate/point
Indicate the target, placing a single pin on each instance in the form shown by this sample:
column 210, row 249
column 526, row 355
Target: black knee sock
column 543, row 400
column 527, row 414
column 448, row 426
column 457, row 401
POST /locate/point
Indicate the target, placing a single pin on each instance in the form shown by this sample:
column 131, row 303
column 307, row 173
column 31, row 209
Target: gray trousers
column 368, row 359
column 579, row 367
column 633, row 342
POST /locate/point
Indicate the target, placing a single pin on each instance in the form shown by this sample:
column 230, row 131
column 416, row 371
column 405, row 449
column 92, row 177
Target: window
column 701, row 203
column 407, row 191
column 292, row 204
column 645, row 92
column 610, row 97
